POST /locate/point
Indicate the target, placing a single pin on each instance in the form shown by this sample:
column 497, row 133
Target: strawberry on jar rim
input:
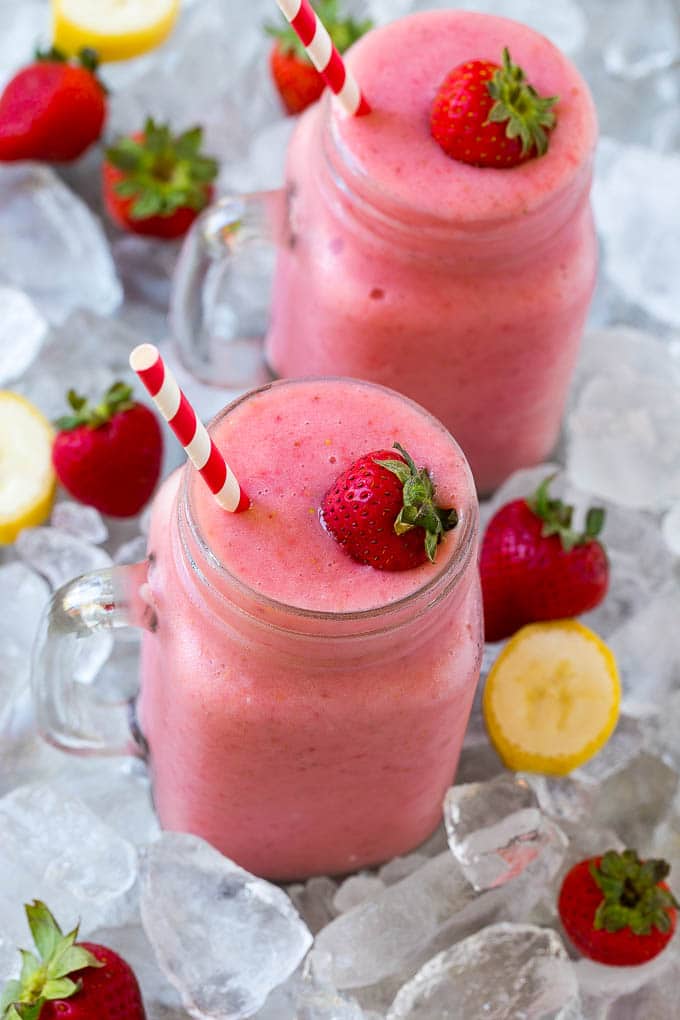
column 488, row 115
column 382, row 511
column 298, row 82
column 69, row 980
column 617, row 909
column 109, row 456
column 156, row 183
column 534, row 566
column 54, row 109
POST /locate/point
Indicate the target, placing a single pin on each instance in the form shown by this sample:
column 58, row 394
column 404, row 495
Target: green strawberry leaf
column 557, row 517
column 45, row 931
column 60, row 988
column 72, row 959
column 527, row 115
column 163, row 172
column 116, row 399
column 29, row 966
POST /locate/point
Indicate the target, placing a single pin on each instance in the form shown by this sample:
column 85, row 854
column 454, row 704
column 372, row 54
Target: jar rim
column 446, row 578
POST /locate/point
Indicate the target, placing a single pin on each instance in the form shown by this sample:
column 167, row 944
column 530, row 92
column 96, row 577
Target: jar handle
column 217, row 329
column 68, row 715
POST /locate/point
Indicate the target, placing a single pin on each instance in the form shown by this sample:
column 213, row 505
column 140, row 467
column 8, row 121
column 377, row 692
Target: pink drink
column 464, row 288
column 305, row 713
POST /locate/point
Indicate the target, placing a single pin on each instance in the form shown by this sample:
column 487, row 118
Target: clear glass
column 297, row 742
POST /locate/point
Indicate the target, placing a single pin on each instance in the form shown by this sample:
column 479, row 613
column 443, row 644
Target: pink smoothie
column 464, row 288
column 305, row 713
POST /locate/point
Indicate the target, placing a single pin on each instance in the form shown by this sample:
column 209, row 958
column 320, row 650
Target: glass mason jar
column 298, row 742
column 464, row 288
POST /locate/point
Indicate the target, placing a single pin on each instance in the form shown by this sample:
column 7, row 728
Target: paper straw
column 320, row 49
column 146, row 361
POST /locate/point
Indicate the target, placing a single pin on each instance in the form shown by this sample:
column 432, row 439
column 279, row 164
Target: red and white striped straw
column 146, row 361
column 325, row 57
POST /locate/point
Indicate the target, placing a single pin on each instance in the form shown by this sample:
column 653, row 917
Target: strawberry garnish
column 617, row 909
column 490, row 116
column 81, row 981
column 298, row 82
column 382, row 512
column 54, row 109
column 535, row 566
column 156, row 183
column 109, row 456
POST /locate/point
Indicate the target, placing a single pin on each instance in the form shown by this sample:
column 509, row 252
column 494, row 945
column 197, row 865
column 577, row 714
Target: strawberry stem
column 419, row 509
column 557, row 517
column 527, row 115
column 117, row 398
column 633, row 897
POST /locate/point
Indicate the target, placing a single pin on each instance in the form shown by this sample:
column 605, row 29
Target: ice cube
column 306, row 997
column 356, row 889
column 637, row 209
column 58, row 555
column 646, row 40
column 22, row 332
column 600, row 981
column 647, row 649
column 84, row 522
column 132, row 551
column 54, row 848
column 563, row 798
column 503, row 972
column 223, row 938
column 401, row 867
column 671, row 529
column 381, row 936
column 23, row 595
column 636, row 799
column 313, row 900
column 87, row 354
column 23, row 27
column 52, row 246
column 495, row 829
column 656, row 1000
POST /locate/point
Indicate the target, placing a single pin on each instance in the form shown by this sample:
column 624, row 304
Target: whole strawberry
column 109, row 456
column 52, row 110
column 298, row 82
column 490, row 116
column 382, row 512
column 617, row 909
column 535, row 567
column 156, row 183
column 69, row 980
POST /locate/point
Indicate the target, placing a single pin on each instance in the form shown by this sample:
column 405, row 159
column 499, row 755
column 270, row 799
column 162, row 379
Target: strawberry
column 109, row 456
column 156, row 183
column 535, row 567
column 490, row 116
column 382, row 512
column 69, row 980
column 616, row 909
column 54, row 109
column 298, row 82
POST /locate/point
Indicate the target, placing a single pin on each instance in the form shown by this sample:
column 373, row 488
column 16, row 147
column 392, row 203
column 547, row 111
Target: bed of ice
column 465, row 927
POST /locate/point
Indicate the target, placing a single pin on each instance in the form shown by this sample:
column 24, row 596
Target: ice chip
column 503, row 972
column 54, row 848
column 647, row 648
column 646, row 40
column 637, row 206
column 84, row 522
column 495, row 829
column 671, row 529
column 58, row 555
column 22, row 332
column 52, row 246
column 356, row 889
column 23, row 595
column 223, row 938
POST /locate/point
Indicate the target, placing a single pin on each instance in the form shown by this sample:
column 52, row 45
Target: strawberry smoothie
column 465, row 288
column 305, row 712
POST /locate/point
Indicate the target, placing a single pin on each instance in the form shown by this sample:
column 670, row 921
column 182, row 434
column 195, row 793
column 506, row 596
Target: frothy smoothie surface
column 287, row 444
column 400, row 68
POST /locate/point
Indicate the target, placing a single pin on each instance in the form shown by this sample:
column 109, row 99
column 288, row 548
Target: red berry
column 617, row 909
column 51, row 110
column 107, row 993
column 368, row 511
column 155, row 183
column 489, row 116
column 70, row 980
column 534, row 567
column 298, row 82
column 110, row 456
